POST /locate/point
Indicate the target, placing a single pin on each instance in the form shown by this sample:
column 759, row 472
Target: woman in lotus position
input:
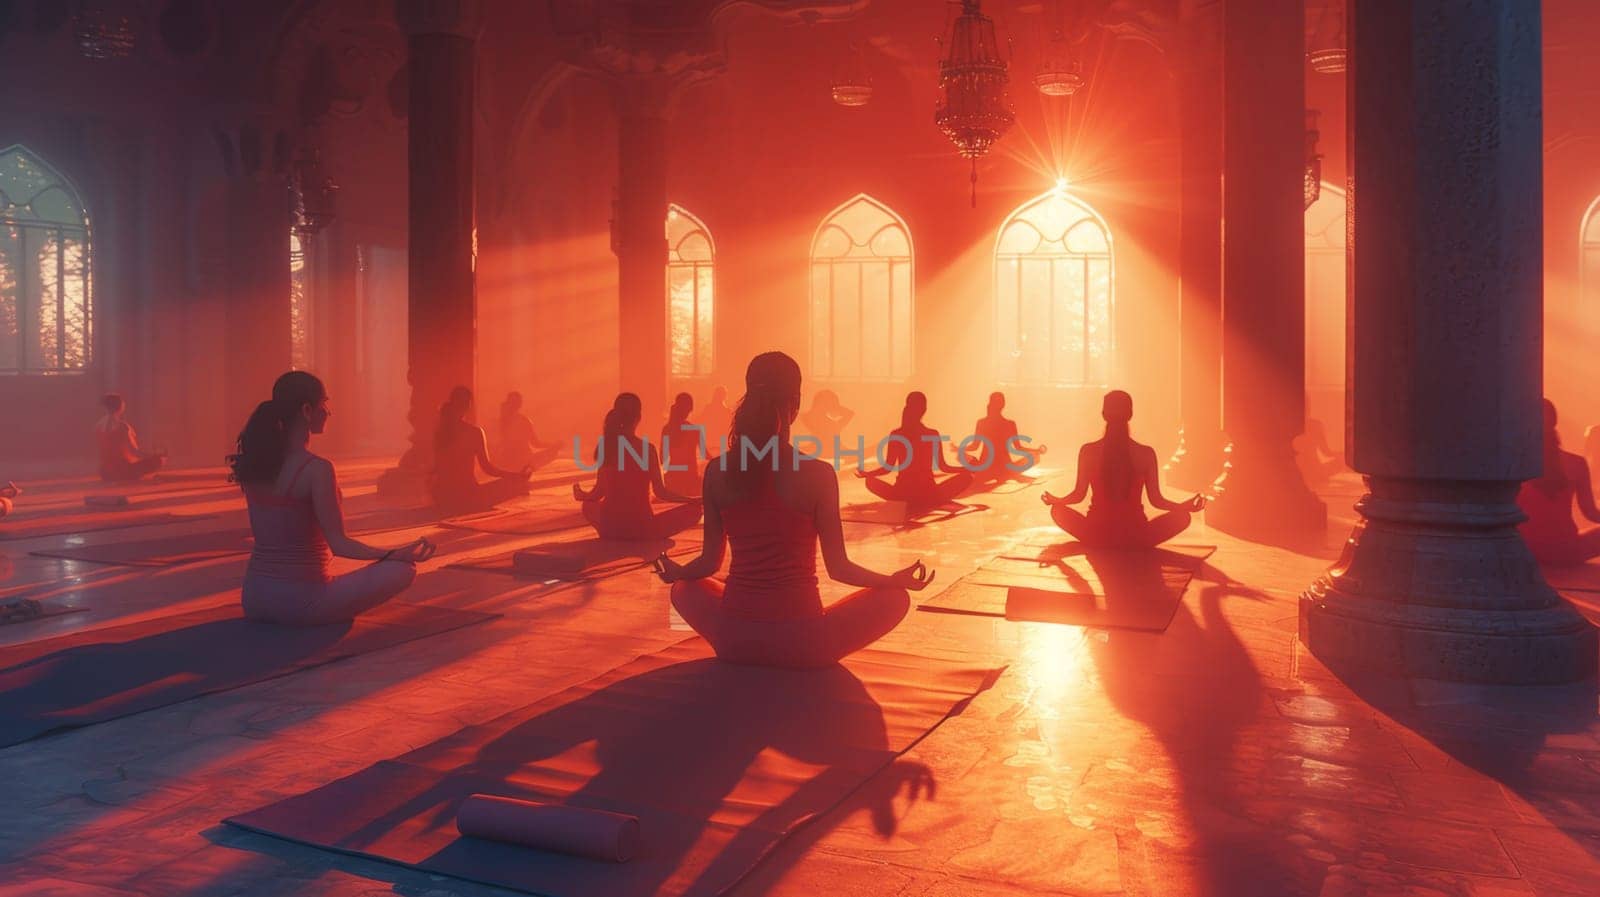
column 826, row 419
column 629, row 468
column 918, row 454
column 1114, row 472
column 1550, row 530
column 772, row 512
column 519, row 444
column 681, row 441
column 459, row 449
column 297, row 521
column 993, row 457
column 121, row 459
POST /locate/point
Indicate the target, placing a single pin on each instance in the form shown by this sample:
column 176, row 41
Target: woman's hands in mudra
column 914, row 578
column 414, row 552
column 668, row 569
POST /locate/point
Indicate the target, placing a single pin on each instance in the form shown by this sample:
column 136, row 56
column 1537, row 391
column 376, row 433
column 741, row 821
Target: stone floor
column 1216, row 758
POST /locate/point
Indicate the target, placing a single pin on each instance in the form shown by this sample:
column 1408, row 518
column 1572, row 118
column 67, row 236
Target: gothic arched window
column 1589, row 260
column 861, row 294
column 1055, row 289
column 45, row 315
column 691, row 261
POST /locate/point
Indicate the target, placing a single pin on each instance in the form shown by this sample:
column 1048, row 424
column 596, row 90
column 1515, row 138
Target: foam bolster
column 595, row 834
column 106, row 501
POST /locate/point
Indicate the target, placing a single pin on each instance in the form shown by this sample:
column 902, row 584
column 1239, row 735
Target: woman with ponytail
column 1115, row 471
column 297, row 521
column 629, row 468
column 917, row 452
column 772, row 507
column 1547, row 501
column 459, row 449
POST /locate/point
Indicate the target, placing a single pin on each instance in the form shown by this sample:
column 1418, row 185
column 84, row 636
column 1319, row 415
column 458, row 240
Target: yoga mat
column 1035, row 476
column 582, row 561
column 718, row 762
column 896, row 513
column 595, row 834
column 102, row 674
column 33, row 528
column 521, row 521
column 1111, row 589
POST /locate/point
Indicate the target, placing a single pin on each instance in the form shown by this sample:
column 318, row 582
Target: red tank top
column 625, row 507
column 773, row 573
column 289, row 543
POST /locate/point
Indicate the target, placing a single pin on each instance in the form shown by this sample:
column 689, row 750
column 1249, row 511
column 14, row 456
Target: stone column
column 256, row 341
column 1262, row 495
column 442, row 299
column 1198, row 459
column 640, row 240
column 1445, row 355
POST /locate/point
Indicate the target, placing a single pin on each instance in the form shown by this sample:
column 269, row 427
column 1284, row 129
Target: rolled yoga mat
column 594, row 834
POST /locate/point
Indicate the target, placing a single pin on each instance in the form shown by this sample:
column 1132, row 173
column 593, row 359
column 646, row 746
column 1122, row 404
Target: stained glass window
column 861, row 294
column 46, row 318
column 299, row 304
column 1054, row 294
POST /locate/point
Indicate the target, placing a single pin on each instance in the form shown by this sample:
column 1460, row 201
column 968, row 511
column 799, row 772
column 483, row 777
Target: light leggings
column 810, row 643
column 289, row 602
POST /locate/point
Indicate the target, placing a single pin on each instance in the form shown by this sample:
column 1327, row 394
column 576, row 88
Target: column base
column 1262, row 497
column 1196, row 463
column 1435, row 583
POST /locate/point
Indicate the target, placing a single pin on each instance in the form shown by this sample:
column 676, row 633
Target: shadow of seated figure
column 773, row 511
column 1550, row 531
column 627, row 470
column 1114, row 472
column 916, row 456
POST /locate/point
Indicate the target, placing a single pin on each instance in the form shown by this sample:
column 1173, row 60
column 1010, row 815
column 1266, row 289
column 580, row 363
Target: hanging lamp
column 974, row 111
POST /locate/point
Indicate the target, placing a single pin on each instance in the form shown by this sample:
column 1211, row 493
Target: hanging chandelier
column 852, row 84
column 1328, row 54
column 101, row 34
column 1313, row 185
column 974, row 111
column 1060, row 75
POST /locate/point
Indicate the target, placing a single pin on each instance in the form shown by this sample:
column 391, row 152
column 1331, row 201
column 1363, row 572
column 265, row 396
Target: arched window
column 861, row 294
column 45, row 315
column 299, row 303
column 691, row 260
column 1325, row 302
column 1054, row 294
column 1589, row 272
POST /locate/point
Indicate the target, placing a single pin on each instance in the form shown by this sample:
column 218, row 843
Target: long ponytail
column 264, row 441
column 451, row 412
column 1116, row 450
column 624, row 414
column 1553, row 481
column 771, row 396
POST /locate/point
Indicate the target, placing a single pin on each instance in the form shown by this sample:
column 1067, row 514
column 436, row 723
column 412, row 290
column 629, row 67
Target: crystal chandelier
column 852, row 85
column 1060, row 75
column 974, row 111
column 1313, row 185
column 102, row 35
column 1328, row 54
column 316, row 195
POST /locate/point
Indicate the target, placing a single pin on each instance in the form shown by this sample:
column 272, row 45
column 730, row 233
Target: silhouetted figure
column 1114, row 471
column 297, row 521
column 619, row 504
column 459, row 449
column 1317, row 460
column 121, row 459
column 772, row 511
column 8, row 495
column 826, row 419
column 1550, row 531
column 519, row 444
column 1591, row 446
column 996, row 432
column 681, row 440
column 918, row 454
column 716, row 417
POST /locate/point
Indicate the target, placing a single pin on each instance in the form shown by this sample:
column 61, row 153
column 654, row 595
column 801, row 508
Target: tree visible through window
column 691, row 257
column 45, row 312
column 1054, row 294
column 299, row 304
column 861, row 294
column 1589, row 272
